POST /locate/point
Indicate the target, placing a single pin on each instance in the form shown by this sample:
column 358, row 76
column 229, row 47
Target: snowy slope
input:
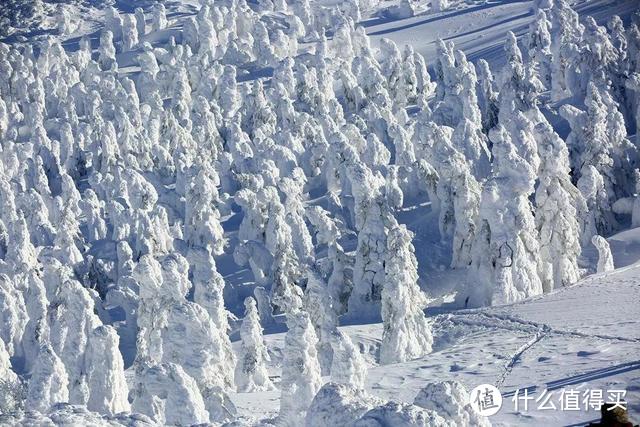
column 585, row 337
column 479, row 27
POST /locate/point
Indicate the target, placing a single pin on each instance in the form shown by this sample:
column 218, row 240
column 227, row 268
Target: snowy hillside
column 578, row 338
column 319, row 213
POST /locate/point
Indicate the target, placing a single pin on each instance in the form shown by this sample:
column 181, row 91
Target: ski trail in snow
column 526, row 326
column 518, row 355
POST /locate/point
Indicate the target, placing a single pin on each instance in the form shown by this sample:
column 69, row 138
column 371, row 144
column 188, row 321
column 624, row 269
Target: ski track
column 518, row 355
column 532, row 325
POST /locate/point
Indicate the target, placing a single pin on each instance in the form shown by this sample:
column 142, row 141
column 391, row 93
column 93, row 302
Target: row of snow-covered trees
column 114, row 187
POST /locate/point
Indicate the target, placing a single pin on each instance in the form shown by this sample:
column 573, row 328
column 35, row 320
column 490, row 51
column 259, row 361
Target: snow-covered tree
column 300, row 369
column 372, row 221
column 466, row 203
column 630, row 205
column 159, row 17
column 169, row 395
column 129, row 31
column 329, row 232
column 595, row 62
column 598, row 139
column 520, row 87
column 566, row 32
column 251, row 371
column 451, row 401
column 598, row 215
column 506, row 251
column 487, row 96
column 539, row 47
column 107, row 385
column 63, row 20
column 48, row 382
column 557, row 202
column 338, row 404
column 71, row 323
column 286, row 295
column 605, row 259
column 202, row 219
column 318, row 305
column 141, row 23
column 348, row 365
column 407, row 332
column 107, row 58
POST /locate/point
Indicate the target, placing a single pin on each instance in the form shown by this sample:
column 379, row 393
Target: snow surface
column 582, row 337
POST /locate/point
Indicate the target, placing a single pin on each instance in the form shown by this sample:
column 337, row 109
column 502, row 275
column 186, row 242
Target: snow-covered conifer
column 566, row 32
column 63, row 20
column 539, row 47
column 598, row 139
column 630, row 205
column 597, row 215
column 11, row 398
column 141, row 22
column 251, row 371
column 557, row 201
column 169, row 395
column 439, row 5
column 519, row 86
column 13, row 315
column 71, row 324
column 107, row 58
column 113, row 22
column 393, row 192
column 227, row 93
column 605, row 259
column 407, row 333
column 107, row 385
column 159, row 17
column 129, row 31
column 466, row 203
column 202, row 219
column 48, row 382
column 487, row 96
column 301, row 378
column 328, row 232
column 293, row 189
column 338, row 404
column 190, row 34
column 318, row 305
column 372, row 221
column 506, row 250
column 285, row 293
column 400, row 414
column 347, row 365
